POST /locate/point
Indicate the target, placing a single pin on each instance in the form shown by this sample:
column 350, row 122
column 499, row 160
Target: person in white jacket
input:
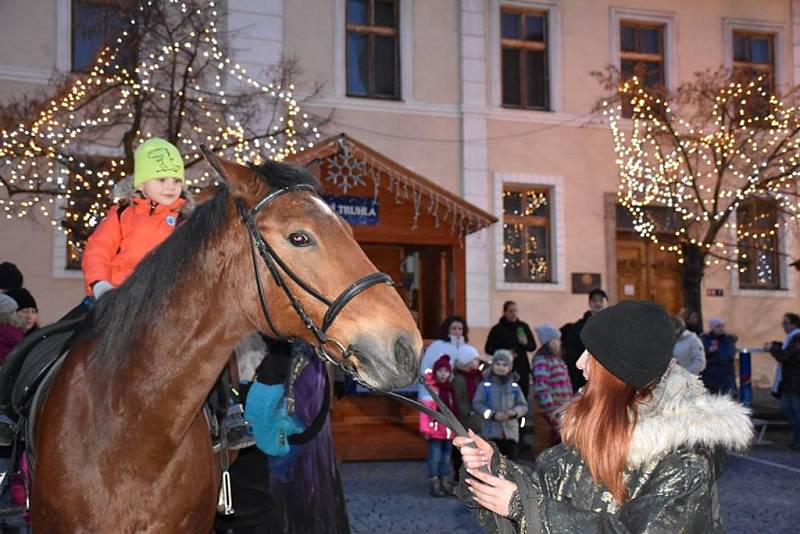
column 688, row 349
column 453, row 342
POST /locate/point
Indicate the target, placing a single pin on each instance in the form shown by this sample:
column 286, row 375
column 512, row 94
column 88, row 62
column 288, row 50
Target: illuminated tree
column 721, row 145
column 167, row 75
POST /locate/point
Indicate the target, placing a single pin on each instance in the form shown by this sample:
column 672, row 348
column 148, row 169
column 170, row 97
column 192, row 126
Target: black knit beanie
column 10, row 277
column 23, row 297
column 633, row 340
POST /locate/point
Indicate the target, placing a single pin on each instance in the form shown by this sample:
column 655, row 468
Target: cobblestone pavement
column 759, row 493
column 393, row 498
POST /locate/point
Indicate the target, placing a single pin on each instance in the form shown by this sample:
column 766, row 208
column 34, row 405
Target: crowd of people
column 522, row 383
column 19, row 315
column 519, row 383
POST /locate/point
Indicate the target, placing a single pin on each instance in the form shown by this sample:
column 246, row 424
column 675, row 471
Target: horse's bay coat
column 676, row 455
column 122, row 445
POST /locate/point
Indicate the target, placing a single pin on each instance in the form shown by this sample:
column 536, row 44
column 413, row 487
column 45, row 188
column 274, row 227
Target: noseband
column 280, row 271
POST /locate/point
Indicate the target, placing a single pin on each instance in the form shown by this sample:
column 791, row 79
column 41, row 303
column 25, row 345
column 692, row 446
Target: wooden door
column 387, row 259
column 666, row 282
column 645, row 272
column 631, row 270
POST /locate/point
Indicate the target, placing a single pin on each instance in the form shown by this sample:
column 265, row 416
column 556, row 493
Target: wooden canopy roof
column 355, row 163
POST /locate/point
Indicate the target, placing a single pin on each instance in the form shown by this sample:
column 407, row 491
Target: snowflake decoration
column 345, row 171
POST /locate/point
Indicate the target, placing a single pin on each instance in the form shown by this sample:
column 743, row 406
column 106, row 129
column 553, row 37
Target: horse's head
column 300, row 243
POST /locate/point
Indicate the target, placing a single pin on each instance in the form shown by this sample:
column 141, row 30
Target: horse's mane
column 121, row 317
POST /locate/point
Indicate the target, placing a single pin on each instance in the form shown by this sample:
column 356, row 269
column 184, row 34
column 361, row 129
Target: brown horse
column 121, row 443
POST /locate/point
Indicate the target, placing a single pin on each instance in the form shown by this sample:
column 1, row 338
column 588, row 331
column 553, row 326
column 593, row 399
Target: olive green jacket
column 676, row 455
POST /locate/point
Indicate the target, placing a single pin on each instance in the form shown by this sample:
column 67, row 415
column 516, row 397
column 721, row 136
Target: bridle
column 280, row 272
column 278, row 268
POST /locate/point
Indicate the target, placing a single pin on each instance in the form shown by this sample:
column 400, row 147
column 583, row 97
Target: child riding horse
column 110, row 456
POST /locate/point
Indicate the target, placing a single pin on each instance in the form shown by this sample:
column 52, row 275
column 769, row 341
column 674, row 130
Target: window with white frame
column 642, row 54
column 758, row 243
column 527, row 230
column 524, row 58
column 95, row 24
column 754, row 55
column 642, row 43
column 538, row 52
column 753, row 46
column 754, row 59
column 373, row 48
column 536, row 257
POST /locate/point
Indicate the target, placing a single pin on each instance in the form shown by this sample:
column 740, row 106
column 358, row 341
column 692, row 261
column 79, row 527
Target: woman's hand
column 491, row 492
column 474, row 457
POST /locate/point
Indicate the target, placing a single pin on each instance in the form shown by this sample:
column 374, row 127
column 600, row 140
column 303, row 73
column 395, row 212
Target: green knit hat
column 154, row 159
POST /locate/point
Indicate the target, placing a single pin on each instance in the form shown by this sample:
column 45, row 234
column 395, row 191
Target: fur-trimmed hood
column 125, row 192
column 681, row 412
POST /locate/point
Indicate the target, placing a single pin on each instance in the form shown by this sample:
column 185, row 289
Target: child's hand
column 100, row 288
column 474, row 457
column 501, row 416
column 426, row 437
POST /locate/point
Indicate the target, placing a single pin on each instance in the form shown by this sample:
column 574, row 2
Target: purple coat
column 9, row 337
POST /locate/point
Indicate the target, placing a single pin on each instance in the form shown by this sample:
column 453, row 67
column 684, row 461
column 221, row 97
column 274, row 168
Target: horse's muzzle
column 387, row 369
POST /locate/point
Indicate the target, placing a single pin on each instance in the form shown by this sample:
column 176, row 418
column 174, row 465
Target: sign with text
column 714, row 293
column 355, row 210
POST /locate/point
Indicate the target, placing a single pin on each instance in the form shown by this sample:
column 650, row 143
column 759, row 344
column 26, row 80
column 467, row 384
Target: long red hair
column 600, row 423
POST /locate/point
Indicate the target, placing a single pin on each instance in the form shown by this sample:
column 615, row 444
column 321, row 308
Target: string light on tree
column 182, row 87
column 723, row 156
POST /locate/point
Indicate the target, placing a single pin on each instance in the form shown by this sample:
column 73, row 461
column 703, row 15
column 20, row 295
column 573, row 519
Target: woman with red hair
column 642, row 446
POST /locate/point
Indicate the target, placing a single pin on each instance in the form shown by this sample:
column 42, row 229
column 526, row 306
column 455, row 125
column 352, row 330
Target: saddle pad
column 265, row 409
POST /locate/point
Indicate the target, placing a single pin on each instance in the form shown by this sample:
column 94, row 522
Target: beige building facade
column 452, row 116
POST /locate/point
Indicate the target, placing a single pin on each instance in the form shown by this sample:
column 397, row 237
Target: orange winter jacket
column 121, row 240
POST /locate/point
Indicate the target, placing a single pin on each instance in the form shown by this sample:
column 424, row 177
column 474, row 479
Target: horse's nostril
column 404, row 356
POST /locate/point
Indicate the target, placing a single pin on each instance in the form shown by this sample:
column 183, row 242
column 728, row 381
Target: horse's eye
column 299, row 239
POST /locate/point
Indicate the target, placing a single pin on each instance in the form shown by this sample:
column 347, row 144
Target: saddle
column 24, row 378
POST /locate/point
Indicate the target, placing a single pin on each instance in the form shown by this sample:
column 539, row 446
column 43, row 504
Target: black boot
column 448, row 486
column 436, row 487
column 237, row 429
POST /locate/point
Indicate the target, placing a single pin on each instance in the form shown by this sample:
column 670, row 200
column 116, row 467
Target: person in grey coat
column 500, row 402
column 688, row 350
column 654, row 472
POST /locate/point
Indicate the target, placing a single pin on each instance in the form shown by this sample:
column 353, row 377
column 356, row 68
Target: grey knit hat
column 547, row 333
column 503, row 354
column 633, row 340
column 7, row 304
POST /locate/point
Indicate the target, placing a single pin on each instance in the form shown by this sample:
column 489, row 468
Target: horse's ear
column 238, row 178
column 214, row 161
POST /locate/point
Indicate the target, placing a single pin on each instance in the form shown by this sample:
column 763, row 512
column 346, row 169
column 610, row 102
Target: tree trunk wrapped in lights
column 719, row 146
column 167, row 75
